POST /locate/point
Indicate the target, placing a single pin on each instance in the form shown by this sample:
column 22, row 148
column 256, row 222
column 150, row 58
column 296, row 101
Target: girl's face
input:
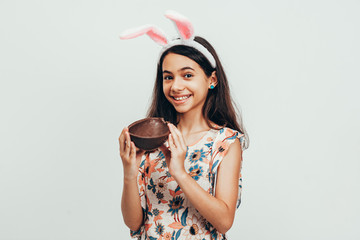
column 185, row 84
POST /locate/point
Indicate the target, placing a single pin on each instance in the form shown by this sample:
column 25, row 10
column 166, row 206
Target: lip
column 182, row 95
column 180, row 101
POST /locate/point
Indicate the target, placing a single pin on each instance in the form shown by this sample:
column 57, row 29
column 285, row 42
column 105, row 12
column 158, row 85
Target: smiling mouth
column 181, row 98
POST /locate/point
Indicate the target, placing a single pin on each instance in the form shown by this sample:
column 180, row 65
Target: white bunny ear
column 184, row 26
column 152, row 31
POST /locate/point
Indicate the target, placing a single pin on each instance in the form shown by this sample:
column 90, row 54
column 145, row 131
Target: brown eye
column 188, row 75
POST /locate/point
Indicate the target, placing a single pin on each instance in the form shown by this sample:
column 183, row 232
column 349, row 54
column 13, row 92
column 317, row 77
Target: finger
column 176, row 136
column 179, row 138
column 122, row 140
column 171, row 142
column 132, row 150
column 166, row 153
column 172, row 131
column 127, row 143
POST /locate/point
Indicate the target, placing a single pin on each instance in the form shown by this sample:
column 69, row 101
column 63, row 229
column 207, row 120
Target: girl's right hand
column 130, row 155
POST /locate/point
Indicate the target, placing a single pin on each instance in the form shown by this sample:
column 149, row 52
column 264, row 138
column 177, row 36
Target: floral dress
column 168, row 214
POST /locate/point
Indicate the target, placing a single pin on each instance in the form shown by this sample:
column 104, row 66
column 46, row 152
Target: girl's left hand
column 175, row 155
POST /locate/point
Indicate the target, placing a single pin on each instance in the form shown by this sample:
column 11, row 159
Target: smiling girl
column 190, row 187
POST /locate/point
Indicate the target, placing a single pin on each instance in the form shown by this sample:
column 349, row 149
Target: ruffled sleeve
column 225, row 137
column 141, row 180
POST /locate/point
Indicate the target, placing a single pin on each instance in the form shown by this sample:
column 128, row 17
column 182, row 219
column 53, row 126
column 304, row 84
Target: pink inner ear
column 185, row 29
column 183, row 24
column 154, row 33
column 157, row 36
column 134, row 32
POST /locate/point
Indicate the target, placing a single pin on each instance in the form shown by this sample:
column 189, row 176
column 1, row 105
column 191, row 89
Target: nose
column 177, row 85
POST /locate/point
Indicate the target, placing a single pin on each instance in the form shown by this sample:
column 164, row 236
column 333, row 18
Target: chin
column 181, row 109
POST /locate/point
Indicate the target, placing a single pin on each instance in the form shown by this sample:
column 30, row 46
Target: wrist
column 130, row 179
column 130, row 172
column 180, row 175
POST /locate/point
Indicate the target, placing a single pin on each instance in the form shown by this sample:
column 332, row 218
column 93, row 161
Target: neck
column 192, row 122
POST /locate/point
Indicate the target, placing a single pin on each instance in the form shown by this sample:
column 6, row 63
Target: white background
column 69, row 86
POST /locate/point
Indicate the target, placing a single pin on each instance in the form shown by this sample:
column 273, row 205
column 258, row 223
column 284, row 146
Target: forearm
column 214, row 210
column 131, row 205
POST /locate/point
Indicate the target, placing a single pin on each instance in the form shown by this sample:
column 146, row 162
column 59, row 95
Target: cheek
column 201, row 89
column 166, row 88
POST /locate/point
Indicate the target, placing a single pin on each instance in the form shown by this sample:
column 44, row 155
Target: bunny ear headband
column 185, row 29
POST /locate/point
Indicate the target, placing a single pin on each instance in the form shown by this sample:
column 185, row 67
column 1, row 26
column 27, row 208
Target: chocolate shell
column 149, row 133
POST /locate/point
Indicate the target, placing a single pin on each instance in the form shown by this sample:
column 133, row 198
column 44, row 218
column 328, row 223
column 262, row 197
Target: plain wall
column 68, row 86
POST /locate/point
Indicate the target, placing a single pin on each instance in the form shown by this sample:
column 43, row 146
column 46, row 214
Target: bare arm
column 218, row 210
column 131, row 206
column 130, row 201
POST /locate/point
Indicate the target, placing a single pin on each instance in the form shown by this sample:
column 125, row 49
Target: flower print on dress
column 161, row 165
column 175, row 205
column 195, row 228
column 161, row 185
column 209, row 143
column 157, row 214
column 169, row 177
column 150, row 165
column 222, row 147
column 207, row 227
column 196, row 172
column 197, row 155
column 152, row 186
column 160, row 197
column 141, row 179
column 160, row 155
column 159, row 229
column 167, row 236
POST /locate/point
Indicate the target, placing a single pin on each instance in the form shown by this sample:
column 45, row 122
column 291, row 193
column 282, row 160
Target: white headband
column 185, row 30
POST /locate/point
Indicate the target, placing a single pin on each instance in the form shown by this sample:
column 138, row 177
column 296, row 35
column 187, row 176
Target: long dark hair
column 218, row 107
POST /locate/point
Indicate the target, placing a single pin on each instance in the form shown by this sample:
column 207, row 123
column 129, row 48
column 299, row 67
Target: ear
column 183, row 25
column 152, row 31
column 213, row 79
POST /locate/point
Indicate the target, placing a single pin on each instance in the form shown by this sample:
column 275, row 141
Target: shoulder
column 225, row 136
column 227, row 144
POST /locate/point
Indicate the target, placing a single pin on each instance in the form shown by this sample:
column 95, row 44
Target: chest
column 161, row 184
column 192, row 139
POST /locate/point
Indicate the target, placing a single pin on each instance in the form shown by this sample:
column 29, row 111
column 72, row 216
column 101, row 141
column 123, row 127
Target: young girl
column 190, row 187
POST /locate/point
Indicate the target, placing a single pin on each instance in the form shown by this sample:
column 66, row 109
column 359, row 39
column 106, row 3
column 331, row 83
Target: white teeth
column 181, row 98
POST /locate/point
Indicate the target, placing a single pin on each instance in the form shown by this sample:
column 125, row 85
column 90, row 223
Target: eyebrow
column 182, row 69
